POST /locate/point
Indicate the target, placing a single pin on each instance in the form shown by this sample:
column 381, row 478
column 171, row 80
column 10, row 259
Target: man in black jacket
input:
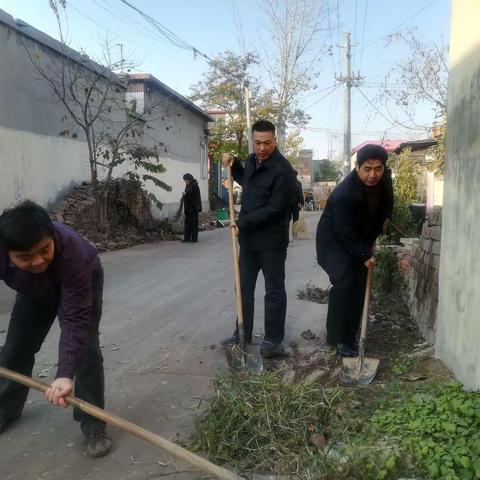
column 268, row 183
column 353, row 218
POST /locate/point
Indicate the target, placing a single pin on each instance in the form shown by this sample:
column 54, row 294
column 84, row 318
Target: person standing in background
column 192, row 203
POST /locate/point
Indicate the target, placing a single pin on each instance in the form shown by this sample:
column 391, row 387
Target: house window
column 136, row 102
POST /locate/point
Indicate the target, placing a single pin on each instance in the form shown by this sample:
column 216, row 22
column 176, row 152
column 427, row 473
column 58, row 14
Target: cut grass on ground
column 307, row 431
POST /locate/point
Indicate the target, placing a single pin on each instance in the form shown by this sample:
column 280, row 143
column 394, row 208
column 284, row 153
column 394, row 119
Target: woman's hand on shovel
column 60, row 388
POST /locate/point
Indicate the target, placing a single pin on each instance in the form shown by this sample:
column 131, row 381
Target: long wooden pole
column 129, row 427
column 236, row 269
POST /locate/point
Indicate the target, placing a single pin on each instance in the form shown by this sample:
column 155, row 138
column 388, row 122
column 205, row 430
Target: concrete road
column 167, row 307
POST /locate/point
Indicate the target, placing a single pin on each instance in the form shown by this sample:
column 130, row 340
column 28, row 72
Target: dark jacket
column 345, row 230
column 298, row 201
column 192, row 201
column 266, row 202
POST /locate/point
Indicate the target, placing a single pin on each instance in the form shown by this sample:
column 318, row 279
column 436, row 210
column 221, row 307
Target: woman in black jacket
column 192, row 204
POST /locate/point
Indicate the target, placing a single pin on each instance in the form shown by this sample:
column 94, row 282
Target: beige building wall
column 458, row 333
column 39, row 167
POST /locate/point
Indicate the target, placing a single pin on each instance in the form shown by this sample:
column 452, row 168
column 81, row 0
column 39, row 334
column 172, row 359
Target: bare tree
column 96, row 109
column 295, row 27
column 421, row 79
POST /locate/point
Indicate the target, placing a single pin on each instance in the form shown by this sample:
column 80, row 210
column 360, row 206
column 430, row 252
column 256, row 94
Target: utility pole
column 249, row 121
column 348, row 80
column 122, row 61
column 281, row 134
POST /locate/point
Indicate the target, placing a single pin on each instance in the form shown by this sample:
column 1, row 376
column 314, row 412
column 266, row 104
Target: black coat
column 192, row 201
column 267, row 197
column 341, row 232
column 298, row 201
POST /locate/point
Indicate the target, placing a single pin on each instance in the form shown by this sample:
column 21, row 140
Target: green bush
column 439, row 427
column 386, row 274
column 402, row 219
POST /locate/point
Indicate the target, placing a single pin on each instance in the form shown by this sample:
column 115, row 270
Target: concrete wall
column 458, row 331
column 182, row 135
column 33, row 119
column 39, row 167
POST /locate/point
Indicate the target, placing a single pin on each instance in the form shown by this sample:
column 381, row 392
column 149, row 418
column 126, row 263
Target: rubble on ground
column 129, row 216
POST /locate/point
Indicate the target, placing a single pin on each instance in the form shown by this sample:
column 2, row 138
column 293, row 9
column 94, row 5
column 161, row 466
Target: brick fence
column 420, row 261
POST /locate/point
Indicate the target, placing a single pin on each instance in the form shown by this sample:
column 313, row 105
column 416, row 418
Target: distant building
column 304, row 167
column 388, row 145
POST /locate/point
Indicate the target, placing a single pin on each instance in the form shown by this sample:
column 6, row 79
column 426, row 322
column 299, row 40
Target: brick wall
column 420, row 261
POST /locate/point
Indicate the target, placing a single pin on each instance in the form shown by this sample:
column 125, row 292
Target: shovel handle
column 236, row 268
column 363, row 332
column 137, row 431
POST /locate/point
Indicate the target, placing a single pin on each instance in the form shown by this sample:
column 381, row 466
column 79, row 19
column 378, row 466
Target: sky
column 212, row 26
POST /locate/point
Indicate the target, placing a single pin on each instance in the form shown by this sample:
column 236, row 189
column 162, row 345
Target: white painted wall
column 458, row 325
column 39, row 167
column 37, row 163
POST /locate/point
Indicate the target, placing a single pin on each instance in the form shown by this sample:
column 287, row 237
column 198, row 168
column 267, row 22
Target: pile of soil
column 129, row 217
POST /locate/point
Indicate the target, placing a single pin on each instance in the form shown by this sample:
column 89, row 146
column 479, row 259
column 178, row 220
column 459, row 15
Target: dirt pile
column 129, row 216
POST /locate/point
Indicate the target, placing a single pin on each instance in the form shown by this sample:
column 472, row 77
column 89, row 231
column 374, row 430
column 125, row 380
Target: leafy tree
column 328, row 171
column 405, row 172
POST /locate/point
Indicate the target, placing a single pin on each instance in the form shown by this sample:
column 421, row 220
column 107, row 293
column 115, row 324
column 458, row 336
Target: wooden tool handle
column 129, row 427
column 363, row 332
column 236, row 268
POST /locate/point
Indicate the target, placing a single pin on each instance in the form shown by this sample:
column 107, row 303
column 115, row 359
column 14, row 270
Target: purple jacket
column 66, row 283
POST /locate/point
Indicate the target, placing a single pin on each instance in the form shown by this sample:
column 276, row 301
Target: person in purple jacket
column 55, row 272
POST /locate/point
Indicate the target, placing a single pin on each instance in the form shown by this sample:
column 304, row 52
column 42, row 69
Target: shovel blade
column 244, row 358
column 355, row 371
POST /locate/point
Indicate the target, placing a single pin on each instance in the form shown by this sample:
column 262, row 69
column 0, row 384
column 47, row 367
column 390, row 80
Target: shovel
column 360, row 369
column 139, row 432
column 242, row 356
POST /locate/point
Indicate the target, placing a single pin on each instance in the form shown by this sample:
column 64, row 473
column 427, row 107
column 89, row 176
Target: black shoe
column 270, row 349
column 233, row 340
column 4, row 423
column 99, row 443
column 354, row 347
column 345, row 350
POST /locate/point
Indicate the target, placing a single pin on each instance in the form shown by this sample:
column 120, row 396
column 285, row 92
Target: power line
column 166, row 33
column 127, row 20
column 375, row 107
column 354, row 36
column 331, row 52
column 317, row 91
column 400, row 25
column 322, row 98
column 363, row 34
column 108, row 31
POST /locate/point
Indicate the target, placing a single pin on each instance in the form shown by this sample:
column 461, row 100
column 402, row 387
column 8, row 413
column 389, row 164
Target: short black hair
column 371, row 152
column 189, row 177
column 263, row 126
column 23, row 226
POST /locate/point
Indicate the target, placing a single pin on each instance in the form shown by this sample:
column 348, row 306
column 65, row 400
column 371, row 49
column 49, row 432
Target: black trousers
column 345, row 305
column 30, row 323
column 272, row 265
column 190, row 233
